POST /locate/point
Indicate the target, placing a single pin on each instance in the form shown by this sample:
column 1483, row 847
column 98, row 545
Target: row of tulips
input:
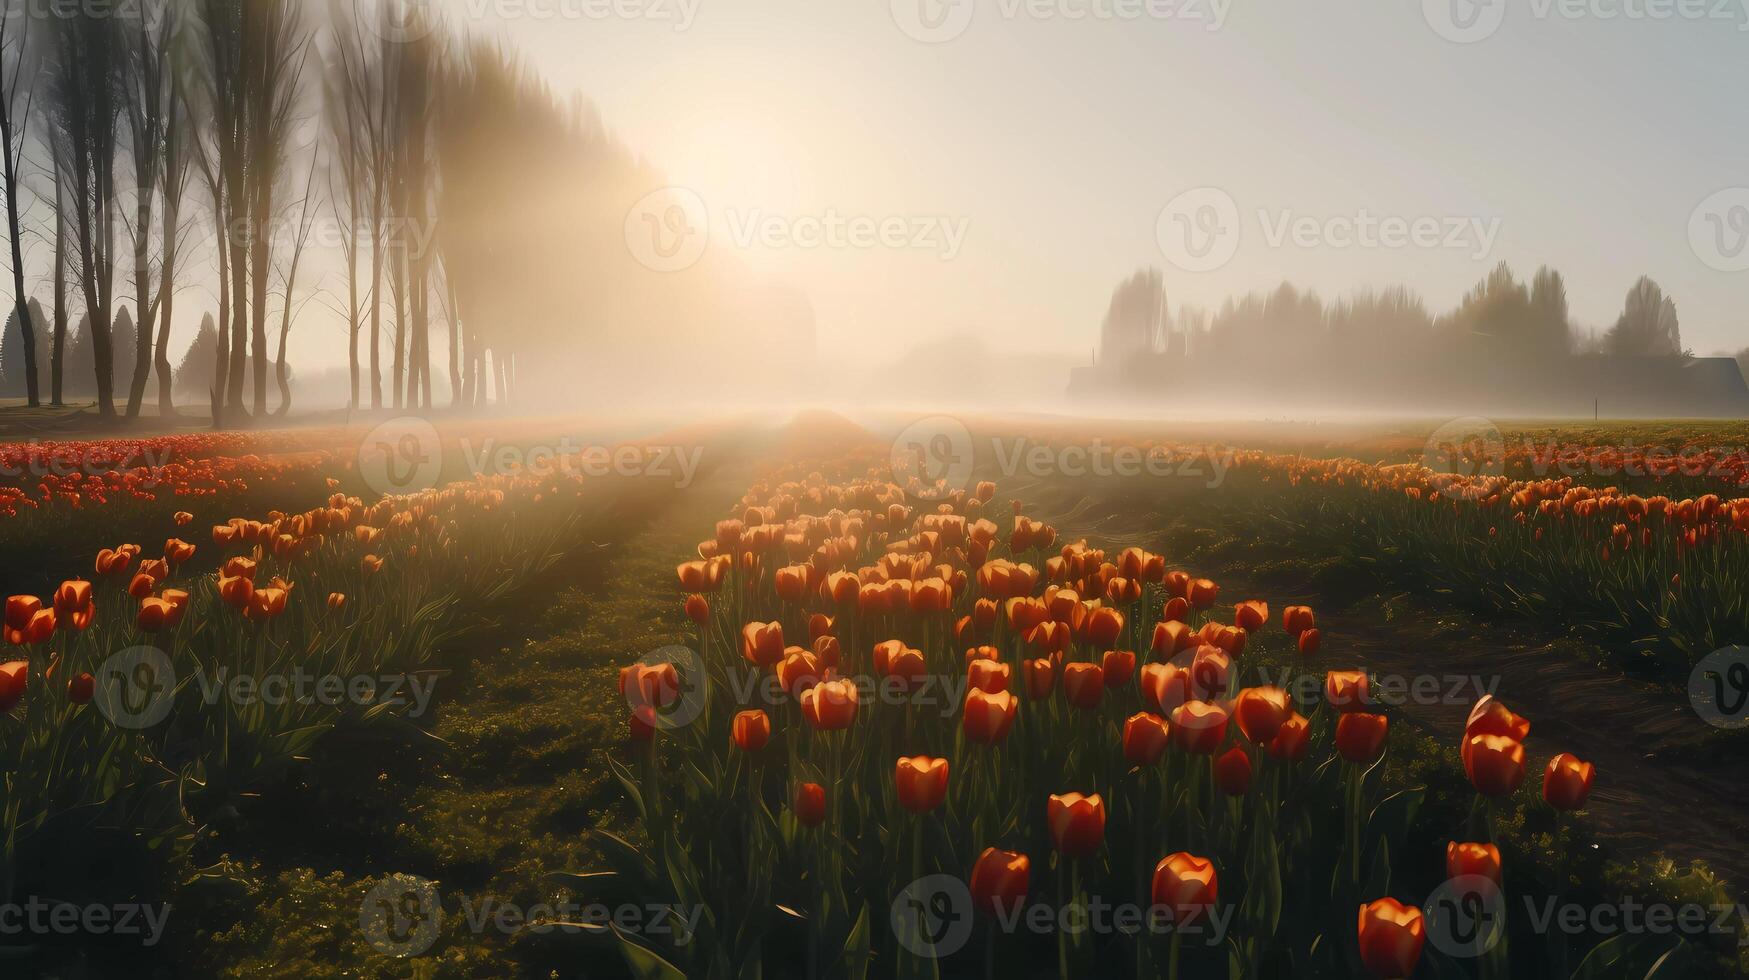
column 1249, row 823
column 118, row 696
column 1657, row 577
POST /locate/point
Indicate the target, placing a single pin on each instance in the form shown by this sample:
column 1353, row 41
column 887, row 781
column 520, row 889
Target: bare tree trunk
column 57, row 353
column 10, row 150
column 455, row 340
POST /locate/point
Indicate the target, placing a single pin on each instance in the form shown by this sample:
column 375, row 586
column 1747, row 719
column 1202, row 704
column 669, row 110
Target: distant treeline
column 1501, row 318
column 1507, row 338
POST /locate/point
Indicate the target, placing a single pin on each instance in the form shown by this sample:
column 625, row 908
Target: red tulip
column 1199, row 727
column 80, row 689
column 1297, row 619
column 762, row 643
column 1473, row 860
column 1251, row 614
column 830, row 705
column 1165, row 687
column 14, row 678
column 1186, row 886
column 1347, row 690
column 999, row 881
column 1360, row 737
column 1309, row 642
column 1144, row 738
column 1119, row 668
column 1083, row 684
column 922, row 783
column 1494, row 763
column 1391, row 935
column 1040, row 678
column 987, row 675
column 1567, row 782
column 1294, row 739
column 988, row 717
column 810, row 804
column 698, row 609
column 1104, row 626
column 1261, row 711
column 1077, row 823
column 1233, row 771
column 751, row 730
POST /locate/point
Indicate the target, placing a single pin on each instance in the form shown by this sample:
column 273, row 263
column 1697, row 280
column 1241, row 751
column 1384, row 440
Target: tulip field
column 811, row 714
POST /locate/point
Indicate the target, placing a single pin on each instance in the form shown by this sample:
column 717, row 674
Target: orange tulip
column 1261, row 711
column 142, row 586
column 1202, row 593
column 1294, row 739
column 14, row 678
column 1198, row 727
column 1360, row 737
column 987, row 675
column 1491, row 717
column 178, row 551
column 1083, row 685
column 1144, row 738
column 1391, row 935
column 922, row 782
column 1177, row 584
column 1309, row 641
column 762, row 643
column 370, row 564
column 1165, row 687
column 1473, row 860
column 182, row 518
column 156, row 615
column 989, row 716
column 810, row 804
column 827, row 651
column 830, row 706
column 1347, row 690
column 1494, row 763
column 265, row 604
column 1169, row 638
column 27, row 621
column 698, row 609
column 751, row 730
column 1297, row 619
column 336, row 601
column 798, row 671
column 1077, row 823
column 650, row 685
column 1211, row 672
column 999, row 881
column 1251, row 614
column 1186, row 886
column 1176, row 610
column 1567, row 782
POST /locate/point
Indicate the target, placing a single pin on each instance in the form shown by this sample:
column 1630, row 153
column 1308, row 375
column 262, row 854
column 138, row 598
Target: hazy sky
column 1054, row 134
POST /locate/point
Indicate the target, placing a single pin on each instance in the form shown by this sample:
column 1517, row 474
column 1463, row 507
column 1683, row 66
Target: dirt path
column 1667, row 782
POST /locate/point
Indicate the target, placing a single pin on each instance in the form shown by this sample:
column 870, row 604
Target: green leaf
column 645, row 963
